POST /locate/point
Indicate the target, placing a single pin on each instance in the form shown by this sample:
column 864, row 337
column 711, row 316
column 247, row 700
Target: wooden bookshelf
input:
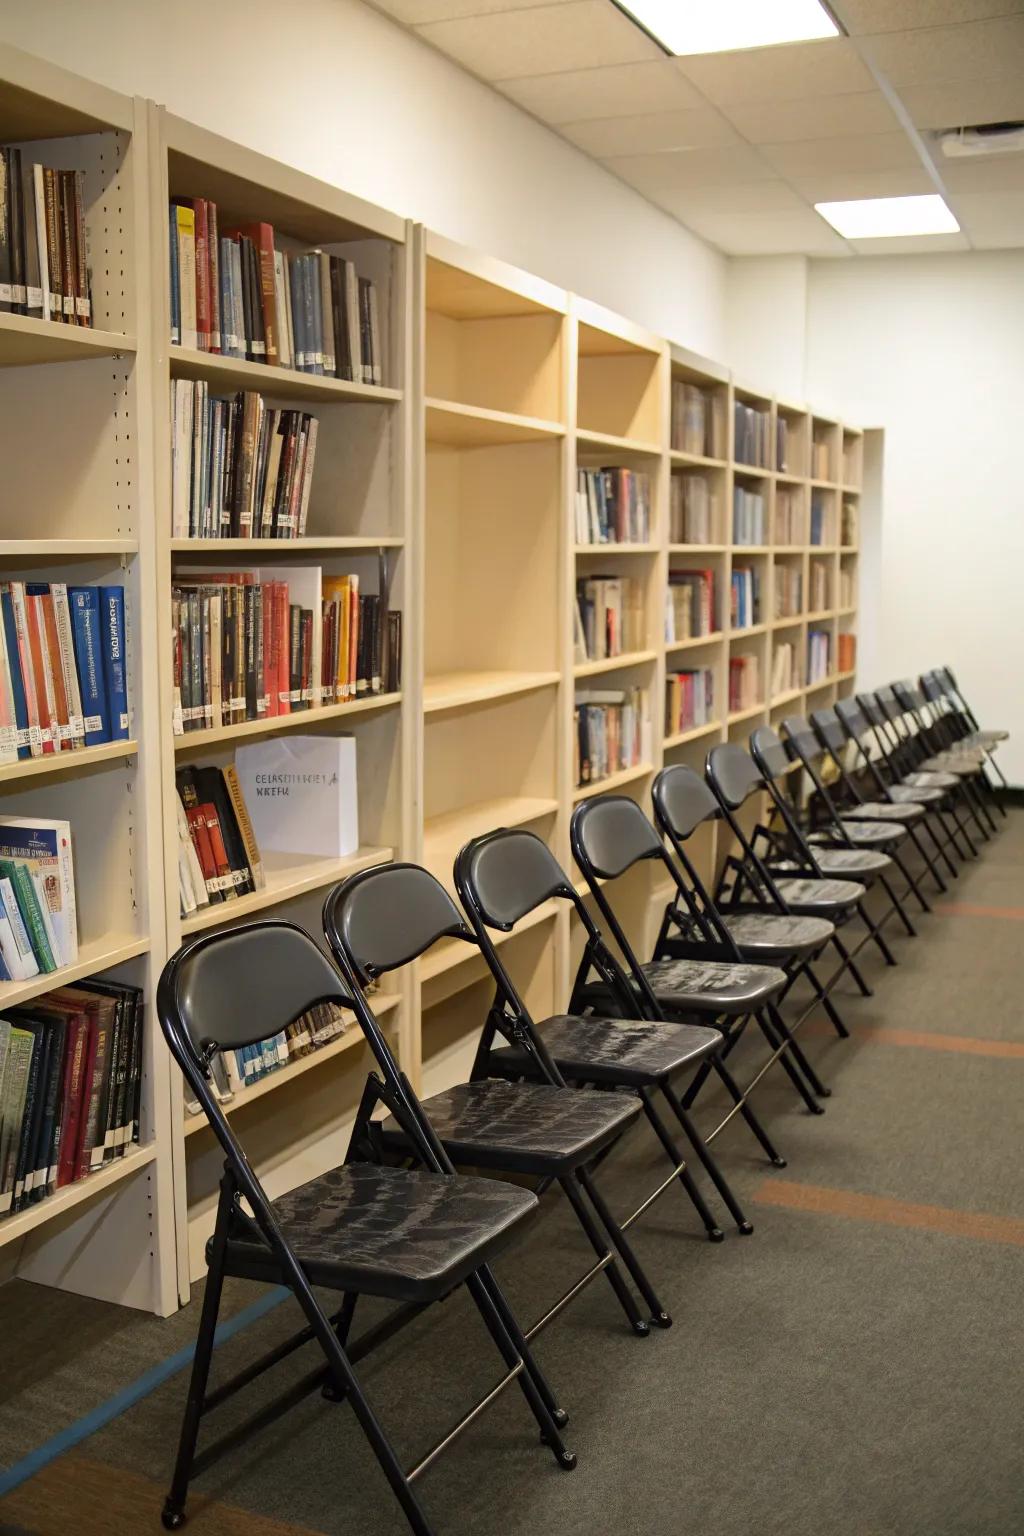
column 455, row 481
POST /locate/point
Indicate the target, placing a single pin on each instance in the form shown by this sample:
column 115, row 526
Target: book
column 43, row 847
column 114, row 677
column 20, row 1045
column 611, row 615
column 613, row 506
column 612, row 732
column 689, row 699
column 89, row 649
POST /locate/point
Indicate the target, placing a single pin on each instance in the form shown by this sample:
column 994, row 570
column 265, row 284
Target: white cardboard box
column 301, row 793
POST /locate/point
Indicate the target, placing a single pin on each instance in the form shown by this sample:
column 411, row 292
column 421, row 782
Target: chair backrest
column 382, row 918
column 769, row 753
column 828, row 728
column 508, row 873
column 733, row 774
column 801, row 740
column 610, row 834
column 852, row 718
column 873, row 711
column 910, row 699
column 935, row 685
column 682, row 801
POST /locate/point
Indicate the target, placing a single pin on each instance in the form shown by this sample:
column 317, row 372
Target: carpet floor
column 852, row 1369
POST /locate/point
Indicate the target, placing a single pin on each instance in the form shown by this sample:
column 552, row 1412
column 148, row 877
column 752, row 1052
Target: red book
column 204, row 851
column 283, row 648
column 221, row 862
column 203, row 304
column 74, row 1088
column 262, row 237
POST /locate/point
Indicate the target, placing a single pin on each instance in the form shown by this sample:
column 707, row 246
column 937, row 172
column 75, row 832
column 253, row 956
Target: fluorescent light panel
column 885, row 218
column 715, row 26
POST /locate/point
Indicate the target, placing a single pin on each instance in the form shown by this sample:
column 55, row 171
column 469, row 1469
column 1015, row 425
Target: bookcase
column 525, row 447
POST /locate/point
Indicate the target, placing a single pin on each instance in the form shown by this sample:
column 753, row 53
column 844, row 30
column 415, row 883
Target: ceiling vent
column 985, row 139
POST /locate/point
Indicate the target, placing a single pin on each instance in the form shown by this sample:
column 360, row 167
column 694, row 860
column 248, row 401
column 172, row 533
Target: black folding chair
column 906, row 707
column 410, row 1236
column 383, row 918
column 945, row 694
column 609, row 836
column 747, row 884
column 505, row 875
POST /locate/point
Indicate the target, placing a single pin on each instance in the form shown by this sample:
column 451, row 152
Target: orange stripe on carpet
column 973, row 909
column 891, row 1213
column 925, row 1040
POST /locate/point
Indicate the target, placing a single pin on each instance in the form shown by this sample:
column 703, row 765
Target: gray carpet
column 850, row 1370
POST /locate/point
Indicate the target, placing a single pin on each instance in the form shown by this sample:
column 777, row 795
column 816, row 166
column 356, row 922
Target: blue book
column 14, row 667
column 175, row 279
column 85, row 621
column 112, row 602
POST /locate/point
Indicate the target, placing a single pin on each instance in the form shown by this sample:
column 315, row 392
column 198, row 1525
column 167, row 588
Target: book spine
column 28, row 902
column 32, row 703
column 245, row 827
column 90, row 1151
column 89, row 661
column 66, row 651
column 202, row 274
column 112, row 600
column 49, row 728
column 65, row 187
column 185, row 222
column 52, row 218
column 6, row 293
column 40, row 234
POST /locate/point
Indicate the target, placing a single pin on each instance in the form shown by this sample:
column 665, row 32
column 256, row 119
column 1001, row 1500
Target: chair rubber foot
column 716, row 1235
column 641, row 1329
column 172, row 1518
column 661, row 1320
column 779, row 1162
column 746, row 1228
column 817, row 1109
column 560, row 1417
column 567, row 1461
column 823, row 1092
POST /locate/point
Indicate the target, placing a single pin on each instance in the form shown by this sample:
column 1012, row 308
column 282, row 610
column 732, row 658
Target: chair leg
column 735, row 1092
column 898, row 906
column 624, row 1248
column 795, row 1050
column 711, row 1167
column 826, row 1002
column 927, row 826
column 915, row 838
column 174, row 1506
column 876, row 934
column 697, row 1200
column 850, row 965
column 612, row 1272
column 512, row 1344
column 912, row 881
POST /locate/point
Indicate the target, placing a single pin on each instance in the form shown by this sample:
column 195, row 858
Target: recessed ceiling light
column 682, row 26
column 884, row 218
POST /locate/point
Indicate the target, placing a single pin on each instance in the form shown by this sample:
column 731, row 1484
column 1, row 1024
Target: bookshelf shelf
column 825, row 485
column 40, row 551
column 612, row 781
column 311, row 544
column 677, row 458
column 26, row 341
column 787, row 697
column 288, row 875
column 751, row 549
column 747, row 633
column 233, row 374
column 197, row 741
column 737, row 716
column 695, row 733
column 788, row 621
column 842, row 677
column 453, row 425
column 13, row 1228
column 353, row 1036
column 605, row 550
column 455, row 690
column 95, row 956
column 589, row 442
column 67, row 762
column 698, row 549
column 752, row 471
column 691, row 641
column 612, row 663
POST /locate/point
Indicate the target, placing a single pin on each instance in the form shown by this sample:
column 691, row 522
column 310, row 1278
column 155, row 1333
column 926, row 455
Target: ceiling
column 739, row 146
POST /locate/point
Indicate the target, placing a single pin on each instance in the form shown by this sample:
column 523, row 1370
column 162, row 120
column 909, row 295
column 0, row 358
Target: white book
column 186, row 845
column 15, row 944
column 48, row 299
column 378, row 371
column 69, row 671
column 307, row 475
column 181, row 463
column 281, row 298
column 355, row 350
column 54, row 866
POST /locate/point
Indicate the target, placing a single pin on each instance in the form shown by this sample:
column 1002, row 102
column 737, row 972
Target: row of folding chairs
column 548, row 1101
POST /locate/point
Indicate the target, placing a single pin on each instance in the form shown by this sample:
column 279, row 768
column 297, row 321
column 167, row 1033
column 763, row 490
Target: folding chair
column 911, row 743
column 382, row 919
column 906, row 705
column 501, row 878
column 410, row 1236
column 610, row 835
column 896, row 758
column 746, row 883
column 951, row 714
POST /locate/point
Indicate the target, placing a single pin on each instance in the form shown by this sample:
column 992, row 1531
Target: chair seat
column 964, row 764
column 631, row 1053
column 930, row 780
column 773, row 937
column 520, row 1127
column 407, row 1235
column 986, row 739
column 902, row 794
column 849, row 861
column 814, row 897
column 883, row 810
column 863, row 834
column 713, row 986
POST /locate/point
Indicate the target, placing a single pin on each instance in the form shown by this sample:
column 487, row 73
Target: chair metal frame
column 905, row 705
column 336, row 1379
column 946, row 698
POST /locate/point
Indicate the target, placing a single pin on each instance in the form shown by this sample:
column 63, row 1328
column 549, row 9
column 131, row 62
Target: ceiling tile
column 770, row 234
column 872, row 152
column 576, row 34
column 675, row 170
column 418, row 12
column 962, row 103
column 743, row 197
column 911, row 245
column 651, row 131
column 992, row 219
column 860, row 16
column 824, row 186
column 779, row 74
column 813, row 117
column 975, row 50
column 617, row 90
column 1000, row 173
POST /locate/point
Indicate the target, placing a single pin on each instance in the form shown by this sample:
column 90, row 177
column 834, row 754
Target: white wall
column 343, row 92
column 766, row 321
column 932, row 348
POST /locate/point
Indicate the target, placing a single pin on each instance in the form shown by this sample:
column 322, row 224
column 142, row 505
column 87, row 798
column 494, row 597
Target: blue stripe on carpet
column 90, row 1422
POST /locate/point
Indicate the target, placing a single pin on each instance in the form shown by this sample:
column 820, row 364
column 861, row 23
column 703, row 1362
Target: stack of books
column 748, row 516
column 847, row 588
column 609, row 617
column 785, row 669
column 693, row 419
column 789, row 583
column 692, row 508
column 851, row 523
column 613, row 506
column 821, row 461
column 44, row 245
column 788, row 528
column 744, row 682
column 70, row 1079
column 239, row 469
column 689, row 700
column 689, row 605
column 821, row 531
column 752, row 435
column 613, row 731
column 234, row 1071
column 819, row 596
column 38, row 914
column 63, row 683
column 819, row 646
column 218, row 856
column 234, row 292
column 745, row 591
